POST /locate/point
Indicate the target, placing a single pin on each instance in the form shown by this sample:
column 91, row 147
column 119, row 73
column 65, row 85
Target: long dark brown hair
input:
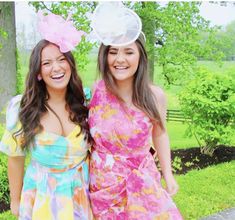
column 143, row 97
column 34, row 101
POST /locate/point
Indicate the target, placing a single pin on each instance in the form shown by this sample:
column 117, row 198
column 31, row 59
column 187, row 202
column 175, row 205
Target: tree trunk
column 7, row 53
column 151, row 56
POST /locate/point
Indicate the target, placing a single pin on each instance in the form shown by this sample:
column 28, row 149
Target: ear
column 39, row 77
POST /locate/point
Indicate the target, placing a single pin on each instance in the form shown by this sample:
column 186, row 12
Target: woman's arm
column 162, row 144
column 15, row 177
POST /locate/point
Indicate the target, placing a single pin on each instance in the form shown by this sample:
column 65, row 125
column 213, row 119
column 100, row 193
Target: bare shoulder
column 158, row 93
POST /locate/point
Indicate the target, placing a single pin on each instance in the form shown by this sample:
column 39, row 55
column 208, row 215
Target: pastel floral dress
column 124, row 180
column 56, row 180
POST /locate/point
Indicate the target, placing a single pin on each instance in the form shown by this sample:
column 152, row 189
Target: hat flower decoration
column 114, row 24
column 59, row 31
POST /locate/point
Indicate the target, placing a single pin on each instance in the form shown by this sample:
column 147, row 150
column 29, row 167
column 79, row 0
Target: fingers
column 15, row 209
column 172, row 190
column 15, row 212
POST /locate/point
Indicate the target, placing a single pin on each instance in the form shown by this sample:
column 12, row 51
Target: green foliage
column 226, row 39
column 172, row 34
column 4, row 7
column 4, row 192
column 180, row 42
column 3, row 35
column 79, row 10
column 1, row 130
column 149, row 13
column 209, row 101
column 7, row 216
column 19, row 76
column 177, row 164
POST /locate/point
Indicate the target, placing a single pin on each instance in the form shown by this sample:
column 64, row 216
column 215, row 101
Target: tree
column 226, row 37
column 79, row 17
column 172, row 32
column 208, row 101
column 173, row 37
column 7, row 52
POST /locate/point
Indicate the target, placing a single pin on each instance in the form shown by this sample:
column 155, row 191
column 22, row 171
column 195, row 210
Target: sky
column 217, row 14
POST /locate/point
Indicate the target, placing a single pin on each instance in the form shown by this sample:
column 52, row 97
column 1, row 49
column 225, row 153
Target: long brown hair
column 143, row 97
column 34, row 101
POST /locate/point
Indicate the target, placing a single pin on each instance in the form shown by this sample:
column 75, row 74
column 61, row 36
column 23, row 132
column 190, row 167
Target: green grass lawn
column 7, row 216
column 178, row 139
column 206, row 191
column 216, row 67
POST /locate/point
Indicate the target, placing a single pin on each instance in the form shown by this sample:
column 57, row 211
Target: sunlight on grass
column 178, row 139
column 7, row 216
column 216, row 67
column 206, row 191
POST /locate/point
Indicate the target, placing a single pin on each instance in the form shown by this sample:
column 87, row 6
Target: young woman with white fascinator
column 127, row 116
column 49, row 121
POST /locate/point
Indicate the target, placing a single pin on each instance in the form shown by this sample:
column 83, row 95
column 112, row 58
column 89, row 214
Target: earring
column 39, row 77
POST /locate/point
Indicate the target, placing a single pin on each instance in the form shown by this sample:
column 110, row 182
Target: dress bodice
column 116, row 128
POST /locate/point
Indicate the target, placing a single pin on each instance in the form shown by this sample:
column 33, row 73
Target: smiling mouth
column 120, row 68
column 58, row 76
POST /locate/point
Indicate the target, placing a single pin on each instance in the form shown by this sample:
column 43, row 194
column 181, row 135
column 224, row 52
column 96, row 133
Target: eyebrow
column 56, row 58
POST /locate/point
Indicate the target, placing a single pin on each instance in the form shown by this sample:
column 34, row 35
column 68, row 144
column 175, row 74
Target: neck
column 57, row 97
column 125, row 91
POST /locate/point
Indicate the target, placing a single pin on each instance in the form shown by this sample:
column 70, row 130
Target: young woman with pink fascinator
column 127, row 116
column 49, row 121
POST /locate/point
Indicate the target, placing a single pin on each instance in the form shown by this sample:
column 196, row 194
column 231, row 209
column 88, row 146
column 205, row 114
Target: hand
column 171, row 185
column 15, row 205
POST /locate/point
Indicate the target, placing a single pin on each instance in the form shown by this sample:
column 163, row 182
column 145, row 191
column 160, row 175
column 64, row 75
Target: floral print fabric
column 56, row 180
column 124, row 180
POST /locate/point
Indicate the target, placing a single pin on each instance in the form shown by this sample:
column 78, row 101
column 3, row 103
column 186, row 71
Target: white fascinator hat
column 114, row 24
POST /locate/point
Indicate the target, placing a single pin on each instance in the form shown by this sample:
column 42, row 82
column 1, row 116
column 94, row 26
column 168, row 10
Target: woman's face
column 123, row 62
column 55, row 69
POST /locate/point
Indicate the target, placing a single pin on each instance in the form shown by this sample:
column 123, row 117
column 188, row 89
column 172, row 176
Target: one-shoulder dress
column 124, row 180
column 56, row 180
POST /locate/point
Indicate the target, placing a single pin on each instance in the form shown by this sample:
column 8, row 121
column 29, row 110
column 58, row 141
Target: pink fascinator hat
column 59, row 31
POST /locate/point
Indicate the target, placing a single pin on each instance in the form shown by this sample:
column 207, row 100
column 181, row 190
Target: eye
column 45, row 63
column 129, row 52
column 62, row 59
column 112, row 52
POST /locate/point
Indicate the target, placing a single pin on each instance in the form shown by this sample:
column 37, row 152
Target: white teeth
column 120, row 67
column 57, row 76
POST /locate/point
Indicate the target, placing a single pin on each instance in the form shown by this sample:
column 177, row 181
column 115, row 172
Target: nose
column 120, row 57
column 55, row 66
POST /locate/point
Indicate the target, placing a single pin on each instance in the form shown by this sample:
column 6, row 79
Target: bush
column 4, row 192
column 208, row 101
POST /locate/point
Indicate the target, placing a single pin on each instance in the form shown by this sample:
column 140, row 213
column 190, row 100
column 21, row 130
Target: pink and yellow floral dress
column 124, row 180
